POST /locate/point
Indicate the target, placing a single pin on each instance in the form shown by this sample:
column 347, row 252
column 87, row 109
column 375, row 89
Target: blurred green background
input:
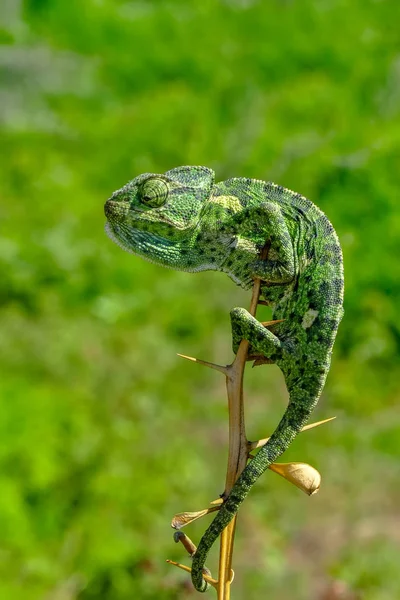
column 104, row 432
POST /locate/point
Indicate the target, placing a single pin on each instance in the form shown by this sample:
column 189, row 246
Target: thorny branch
column 300, row 474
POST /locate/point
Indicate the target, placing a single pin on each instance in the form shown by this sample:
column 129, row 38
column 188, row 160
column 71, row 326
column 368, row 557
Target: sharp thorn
column 270, row 323
column 217, row 502
column 260, row 443
column 210, row 580
column 179, row 565
column 205, row 363
column 312, row 425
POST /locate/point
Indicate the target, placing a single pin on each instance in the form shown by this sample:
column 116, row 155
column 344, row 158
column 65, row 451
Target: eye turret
column 153, row 192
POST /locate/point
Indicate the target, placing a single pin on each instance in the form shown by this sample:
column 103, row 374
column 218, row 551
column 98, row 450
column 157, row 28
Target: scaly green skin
column 183, row 220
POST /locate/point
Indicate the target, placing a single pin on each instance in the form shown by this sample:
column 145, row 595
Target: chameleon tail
column 295, row 417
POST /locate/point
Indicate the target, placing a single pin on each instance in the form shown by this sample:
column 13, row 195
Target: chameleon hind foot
column 263, row 341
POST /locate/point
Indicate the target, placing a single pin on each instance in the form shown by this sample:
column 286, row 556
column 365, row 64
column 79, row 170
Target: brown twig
column 302, row 475
column 238, row 452
column 238, row 445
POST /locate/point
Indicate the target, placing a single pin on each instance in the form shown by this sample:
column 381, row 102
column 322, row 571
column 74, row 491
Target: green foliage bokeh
column 104, row 432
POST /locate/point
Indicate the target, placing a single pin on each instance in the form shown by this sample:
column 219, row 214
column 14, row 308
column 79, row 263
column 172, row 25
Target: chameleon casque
column 184, row 220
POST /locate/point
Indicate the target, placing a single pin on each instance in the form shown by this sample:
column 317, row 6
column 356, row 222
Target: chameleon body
column 184, row 220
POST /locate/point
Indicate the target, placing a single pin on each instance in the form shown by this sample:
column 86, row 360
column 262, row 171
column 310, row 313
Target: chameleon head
column 155, row 216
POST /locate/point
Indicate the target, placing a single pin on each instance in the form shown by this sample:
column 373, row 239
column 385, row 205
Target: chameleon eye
column 154, row 192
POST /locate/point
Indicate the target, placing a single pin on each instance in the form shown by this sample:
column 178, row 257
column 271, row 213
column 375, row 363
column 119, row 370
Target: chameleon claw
column 259, row 359
column 205, row 363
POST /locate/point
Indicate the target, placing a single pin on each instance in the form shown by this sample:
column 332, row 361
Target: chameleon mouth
column 116, row 239
column 113, row 209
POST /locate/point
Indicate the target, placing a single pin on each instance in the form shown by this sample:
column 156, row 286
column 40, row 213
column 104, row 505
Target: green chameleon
column 184, row 220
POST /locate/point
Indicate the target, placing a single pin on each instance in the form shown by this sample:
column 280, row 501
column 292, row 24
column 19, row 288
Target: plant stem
column 238, row 447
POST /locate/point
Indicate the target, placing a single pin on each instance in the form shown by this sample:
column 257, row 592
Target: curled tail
column 295, row 417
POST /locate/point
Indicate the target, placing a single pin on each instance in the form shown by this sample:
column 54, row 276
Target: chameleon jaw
column 116, row 210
